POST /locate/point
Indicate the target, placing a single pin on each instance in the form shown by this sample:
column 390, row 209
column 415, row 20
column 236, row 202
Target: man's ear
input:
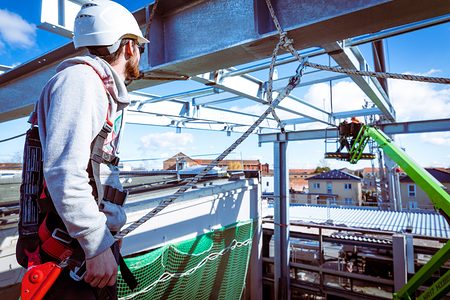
column 129, row 49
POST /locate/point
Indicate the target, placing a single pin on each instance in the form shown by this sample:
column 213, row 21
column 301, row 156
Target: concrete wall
column 267, row 184
column 196, row 212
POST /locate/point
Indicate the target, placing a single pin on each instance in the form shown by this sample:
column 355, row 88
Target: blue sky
column 422, row 52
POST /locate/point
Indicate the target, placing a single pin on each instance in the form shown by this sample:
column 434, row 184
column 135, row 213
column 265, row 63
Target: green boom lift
column 439, row 197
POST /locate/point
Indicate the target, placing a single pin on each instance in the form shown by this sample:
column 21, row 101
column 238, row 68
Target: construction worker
column 355, row 127
column 344, row 130
column 88, row 93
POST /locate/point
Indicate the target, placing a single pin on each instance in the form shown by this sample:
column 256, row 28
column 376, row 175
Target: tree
column 322, row 167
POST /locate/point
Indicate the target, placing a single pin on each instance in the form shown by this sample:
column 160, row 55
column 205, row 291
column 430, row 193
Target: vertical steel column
column 379, row 61
column 383, row 193
column 393, row 179
column 255, row 277
column 61, row 13
column 281, row 214
column 410, row 253
column 399, row 258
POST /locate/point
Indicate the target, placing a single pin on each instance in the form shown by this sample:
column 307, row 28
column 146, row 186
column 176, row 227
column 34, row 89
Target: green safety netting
column 211, row 266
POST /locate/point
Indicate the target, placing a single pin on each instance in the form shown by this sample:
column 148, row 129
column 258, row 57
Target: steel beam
column 281, row 222
column 195, row 37
column 367, row 38
column 394, row 128
column 20, row 87
column 352, row 58
column 4, row 68
column 253, row 89
column 399, row 259
column 236, row 32
column 177, row 113
column 338, row 115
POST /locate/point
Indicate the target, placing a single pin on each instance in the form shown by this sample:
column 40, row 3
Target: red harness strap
column 56, row 243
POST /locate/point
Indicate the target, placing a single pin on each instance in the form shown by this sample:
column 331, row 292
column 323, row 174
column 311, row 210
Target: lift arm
column 439, row 197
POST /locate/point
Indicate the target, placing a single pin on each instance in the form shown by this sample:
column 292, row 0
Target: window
column 348, row 201
column 316, row 185
column 413, row 204
column 329, row 187
column 331, row 201
column 411, row 190
column 348, row 186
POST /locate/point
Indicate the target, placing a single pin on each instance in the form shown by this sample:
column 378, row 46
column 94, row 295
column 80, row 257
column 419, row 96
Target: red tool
column 39, row 279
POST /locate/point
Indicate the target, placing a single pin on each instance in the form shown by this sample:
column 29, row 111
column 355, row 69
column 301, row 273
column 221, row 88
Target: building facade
column 414, row 197
column 298, row 179
column 232, row 164
column 335, row 187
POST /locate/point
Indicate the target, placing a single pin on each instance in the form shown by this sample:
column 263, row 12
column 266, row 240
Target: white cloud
column 419, row 101
column 346, row 96
column 436, row 138
column 411, row 100
column 432, row 71
column 166, row 143
column 15, row 31
column 255, row 109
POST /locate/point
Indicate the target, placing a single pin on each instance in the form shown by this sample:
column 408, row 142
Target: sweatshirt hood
column 112, row 81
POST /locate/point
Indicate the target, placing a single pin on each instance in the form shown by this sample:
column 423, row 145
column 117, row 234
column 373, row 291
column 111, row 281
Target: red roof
column 301, row 171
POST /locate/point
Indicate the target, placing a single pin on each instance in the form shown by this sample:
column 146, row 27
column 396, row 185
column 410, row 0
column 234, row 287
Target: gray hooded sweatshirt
column 71, row 111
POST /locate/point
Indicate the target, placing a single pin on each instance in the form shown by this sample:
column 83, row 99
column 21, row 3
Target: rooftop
column 421, row 223
column 335, row 175
column 440, row 175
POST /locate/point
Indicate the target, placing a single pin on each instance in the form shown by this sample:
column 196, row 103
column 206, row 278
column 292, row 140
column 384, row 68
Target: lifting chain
column 190, row 182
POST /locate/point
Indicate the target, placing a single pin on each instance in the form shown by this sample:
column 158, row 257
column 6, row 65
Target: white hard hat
column 105, row 23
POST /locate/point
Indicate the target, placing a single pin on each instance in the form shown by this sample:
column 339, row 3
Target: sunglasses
column 141, row 47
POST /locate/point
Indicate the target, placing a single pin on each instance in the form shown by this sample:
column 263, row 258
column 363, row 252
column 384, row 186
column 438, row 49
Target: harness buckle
column 62, row 236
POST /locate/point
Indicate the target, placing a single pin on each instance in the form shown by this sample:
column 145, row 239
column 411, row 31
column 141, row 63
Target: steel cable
column 190, row 182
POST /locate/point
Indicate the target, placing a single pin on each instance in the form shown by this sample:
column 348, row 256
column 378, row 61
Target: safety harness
column 44, row 246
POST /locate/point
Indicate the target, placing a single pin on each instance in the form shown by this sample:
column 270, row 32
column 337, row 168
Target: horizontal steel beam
column 181, row 114
column 366, row 38
column 235, row 32
column 254, row 89
column 339, row 115
column 352, row 58
column 194, row 37
column 393, row 128
column 21, row 86
column 438, row 125
column 4, row 68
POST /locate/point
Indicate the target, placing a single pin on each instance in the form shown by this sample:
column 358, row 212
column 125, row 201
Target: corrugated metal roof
column 421, row 223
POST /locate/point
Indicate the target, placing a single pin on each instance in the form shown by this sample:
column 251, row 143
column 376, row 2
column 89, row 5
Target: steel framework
column 203, row 40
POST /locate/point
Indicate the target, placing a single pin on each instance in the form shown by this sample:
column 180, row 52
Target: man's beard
column 131, row 69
